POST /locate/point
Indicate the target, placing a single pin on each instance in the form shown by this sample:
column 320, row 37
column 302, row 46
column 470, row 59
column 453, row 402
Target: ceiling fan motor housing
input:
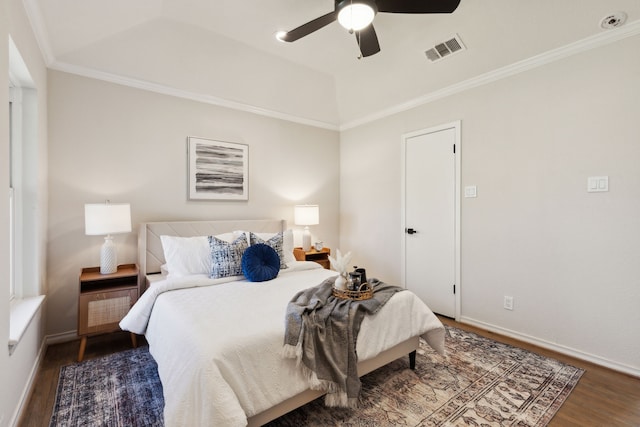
column 355, row 15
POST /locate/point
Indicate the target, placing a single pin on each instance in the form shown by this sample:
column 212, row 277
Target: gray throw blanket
column 321, row 333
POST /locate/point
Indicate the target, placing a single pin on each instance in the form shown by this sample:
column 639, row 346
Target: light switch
column 470, row 191
column 597, row 184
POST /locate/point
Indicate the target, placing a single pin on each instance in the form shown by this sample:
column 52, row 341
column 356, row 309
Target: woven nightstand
column 104, row 300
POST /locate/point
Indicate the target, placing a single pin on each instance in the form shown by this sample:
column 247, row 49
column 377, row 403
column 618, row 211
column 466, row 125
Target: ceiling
column 225, row 52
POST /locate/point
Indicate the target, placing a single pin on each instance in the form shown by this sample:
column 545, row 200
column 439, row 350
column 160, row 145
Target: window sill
column 22, row 311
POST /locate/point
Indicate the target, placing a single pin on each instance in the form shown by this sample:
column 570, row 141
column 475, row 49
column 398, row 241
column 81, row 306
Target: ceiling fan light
column 356, row 16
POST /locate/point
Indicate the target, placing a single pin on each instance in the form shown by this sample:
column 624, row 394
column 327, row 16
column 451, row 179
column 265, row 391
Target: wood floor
column 601, row 398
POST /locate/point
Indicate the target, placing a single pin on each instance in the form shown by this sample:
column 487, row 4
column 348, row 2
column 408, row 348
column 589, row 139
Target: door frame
column 457, row 200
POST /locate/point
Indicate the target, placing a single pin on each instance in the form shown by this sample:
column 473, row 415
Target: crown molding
column 630, row 29
column 592, row 42
column 179, row 93
column 36, row 19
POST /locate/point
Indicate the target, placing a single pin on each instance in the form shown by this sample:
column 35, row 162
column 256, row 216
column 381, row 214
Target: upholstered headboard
column 151, row 255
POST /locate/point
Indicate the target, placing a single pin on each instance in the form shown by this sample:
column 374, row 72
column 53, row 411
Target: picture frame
column 218, row 170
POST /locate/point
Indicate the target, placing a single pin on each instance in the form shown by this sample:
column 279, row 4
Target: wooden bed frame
column 151, row 257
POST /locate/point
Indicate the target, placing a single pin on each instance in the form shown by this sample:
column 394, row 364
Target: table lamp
column 107, row 219
column 306, row 215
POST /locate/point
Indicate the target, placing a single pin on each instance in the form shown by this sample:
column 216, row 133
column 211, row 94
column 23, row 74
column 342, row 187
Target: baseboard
column 26, row 392
column 597, row 360
column 61, row 337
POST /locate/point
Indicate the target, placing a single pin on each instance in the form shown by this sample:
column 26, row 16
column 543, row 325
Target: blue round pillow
column 260, row 262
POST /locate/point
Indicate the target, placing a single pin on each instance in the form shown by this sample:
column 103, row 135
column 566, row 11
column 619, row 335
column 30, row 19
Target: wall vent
column 444, row 49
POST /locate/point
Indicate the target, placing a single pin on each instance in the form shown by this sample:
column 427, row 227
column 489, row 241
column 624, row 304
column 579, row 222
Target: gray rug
column 479, row 382
column 119, row 390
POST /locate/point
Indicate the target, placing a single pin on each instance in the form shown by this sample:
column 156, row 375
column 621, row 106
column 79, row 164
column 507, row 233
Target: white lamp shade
column 107, row 218
column 306, row 215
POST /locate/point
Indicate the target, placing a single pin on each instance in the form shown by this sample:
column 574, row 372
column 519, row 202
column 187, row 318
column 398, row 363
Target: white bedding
column 218, row 342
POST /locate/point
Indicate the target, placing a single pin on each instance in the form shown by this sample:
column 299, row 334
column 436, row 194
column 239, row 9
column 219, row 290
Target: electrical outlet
column 508, row 303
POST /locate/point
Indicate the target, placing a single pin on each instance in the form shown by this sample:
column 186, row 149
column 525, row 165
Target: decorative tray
column 363, row 293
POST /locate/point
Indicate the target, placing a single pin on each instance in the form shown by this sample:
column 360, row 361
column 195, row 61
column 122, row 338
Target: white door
column 430, row 217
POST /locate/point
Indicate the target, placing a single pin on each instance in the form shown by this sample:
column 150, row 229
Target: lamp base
column 306, row 239
column 108, row 257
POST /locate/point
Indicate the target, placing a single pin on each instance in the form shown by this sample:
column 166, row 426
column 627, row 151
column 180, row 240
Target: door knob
column 411, row 231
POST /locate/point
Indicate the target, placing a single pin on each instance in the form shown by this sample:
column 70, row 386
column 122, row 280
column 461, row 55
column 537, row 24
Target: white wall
column 127, row 145
column 569, row 258
column 17, row 370
column 230, row 70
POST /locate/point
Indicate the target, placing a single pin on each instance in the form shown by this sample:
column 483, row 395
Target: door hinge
column 454, row 148
column 454, row 289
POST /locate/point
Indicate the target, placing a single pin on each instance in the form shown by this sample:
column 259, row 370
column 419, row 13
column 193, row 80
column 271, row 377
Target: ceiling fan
column 357, row 17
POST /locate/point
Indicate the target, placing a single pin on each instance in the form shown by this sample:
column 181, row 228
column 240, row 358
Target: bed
column 218, row 342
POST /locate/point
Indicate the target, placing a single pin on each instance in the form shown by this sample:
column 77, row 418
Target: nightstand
column 321, row 257
column 104, row 300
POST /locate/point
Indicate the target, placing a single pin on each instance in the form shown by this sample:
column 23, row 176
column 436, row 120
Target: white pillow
column 287, row 244
column 164, row 270
column 185, row 256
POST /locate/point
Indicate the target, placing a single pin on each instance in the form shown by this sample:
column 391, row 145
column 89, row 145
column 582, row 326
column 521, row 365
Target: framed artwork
column 218, row 170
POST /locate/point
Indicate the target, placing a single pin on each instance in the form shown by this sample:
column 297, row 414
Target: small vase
column 340, row 283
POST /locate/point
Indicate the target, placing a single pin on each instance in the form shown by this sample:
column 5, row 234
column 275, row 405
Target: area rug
column 119, row 390
column 479, row 382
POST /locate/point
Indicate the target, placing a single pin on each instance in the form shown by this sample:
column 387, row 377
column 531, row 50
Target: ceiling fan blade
column 368, row 41
column 309, row 27
column 417, row 6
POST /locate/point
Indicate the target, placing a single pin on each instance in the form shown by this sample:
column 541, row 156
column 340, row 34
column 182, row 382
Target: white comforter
column 218, row 342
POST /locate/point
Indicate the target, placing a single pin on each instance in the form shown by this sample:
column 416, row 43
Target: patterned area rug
column 119, row 390
column 480, row 382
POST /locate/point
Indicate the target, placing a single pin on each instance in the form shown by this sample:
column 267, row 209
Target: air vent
column 444, row 49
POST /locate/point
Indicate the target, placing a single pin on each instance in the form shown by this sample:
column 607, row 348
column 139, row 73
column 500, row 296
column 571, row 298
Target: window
column 22, row 185
column 14, row 149
column 12, row 283
column 24, row 234
column 12, row 286
column 16, row 166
